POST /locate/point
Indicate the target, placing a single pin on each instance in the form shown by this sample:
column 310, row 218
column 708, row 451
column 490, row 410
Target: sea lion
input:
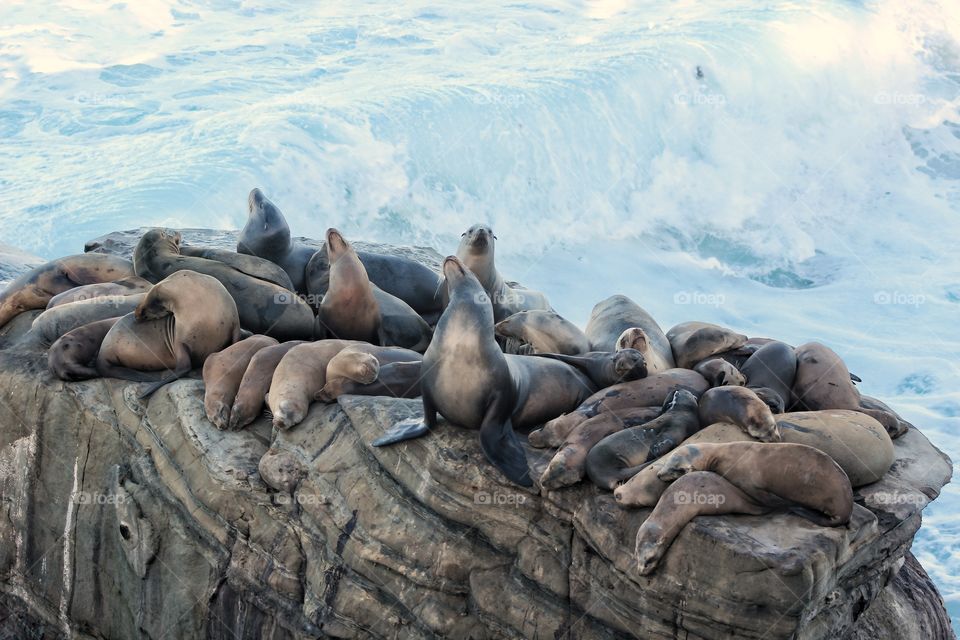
column 823, row 382
column 770, row 373
column 302, row 372
column 871, row 406
column 606, row 368
column 471, row 383
column 122, row 287
column 264, row 307
column 395, row 380
column 477, row 252
column 644, row 488
column 545, row 332
column 742, row 407
column 636, row 338
column 266, row 235
column 693, row 342
column 251, row 265
column 222, row 373
column 695, row 494
column 74, row 355
column 349, row 310
column 255, row 384
column 611, row 317
column 181, row 321
column 568, row 464
column 336, row 384
column 651, row 391
column 55, row 322
column 718, row 372
column 35, row 288
column 400, row 325
column 618, row 456
column 777, row 474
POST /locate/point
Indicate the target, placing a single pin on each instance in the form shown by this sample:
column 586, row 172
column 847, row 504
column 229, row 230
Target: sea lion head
column 287, row 414
column 681, row 400
column 266, row 228
column 762, row 425
column 337, row 245
column 629, row 364
column 648, row 549
column 633, row 338
column 478, row 240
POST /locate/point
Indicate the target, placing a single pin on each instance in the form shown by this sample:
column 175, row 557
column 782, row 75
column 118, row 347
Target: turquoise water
column 788, row 169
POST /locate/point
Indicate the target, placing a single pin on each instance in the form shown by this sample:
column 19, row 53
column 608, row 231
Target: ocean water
column 789, row 169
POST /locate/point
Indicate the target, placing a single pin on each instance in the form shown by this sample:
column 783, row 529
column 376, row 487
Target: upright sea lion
column 222, row 373
column 742, row 407
column 693, row 342
column 470, row 382
column 606, row 369
column 122, row 287
column 636, row 338
column 336, row 384
column 55, row 322
column 254, row 266
column 256, row 383
column 267, row 235
column 180, row 322
column 777, row 474
column 35, row 288
column 264, row 307
column 695, row 494
column 349, row 310
column 823, row 382
column 477, row 252
column 651, row 391
column 619, row 456
column 770, row 373
column 545, row 332
column 302, row 372
column 614, row 315
column 718, row 372
column 74, row 355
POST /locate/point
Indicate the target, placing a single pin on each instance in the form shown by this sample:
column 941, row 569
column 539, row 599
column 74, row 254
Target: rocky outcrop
column 120, row 519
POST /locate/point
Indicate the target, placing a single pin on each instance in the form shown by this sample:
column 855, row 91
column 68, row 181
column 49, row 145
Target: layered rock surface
column 120, row 519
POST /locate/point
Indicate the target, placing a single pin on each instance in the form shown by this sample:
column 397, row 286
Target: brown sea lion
column 222, row 373
column 264, row 307
column 122, row 287
column 610, row 318
column 651, row 391
column 181, row 321
column 643, row 489
column 606, row 368
column 742, row 407
column 823, row 382
column 256, row 383
column 618, row 456
column 336, row 384
column 468, row 380
column 693, row 342
column 636, row 338
column 545, row 332
column 349, row 310
column 394, row 380
column 35, row 288
column 695, row 494
column 777, row 474
column 74, row 355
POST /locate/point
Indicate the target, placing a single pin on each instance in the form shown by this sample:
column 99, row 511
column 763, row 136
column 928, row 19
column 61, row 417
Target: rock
column 13, row 262
column 120, row 519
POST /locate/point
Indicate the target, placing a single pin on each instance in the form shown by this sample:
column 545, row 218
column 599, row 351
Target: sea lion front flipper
column 502, row 447
column 404, row 430
column 855, row 378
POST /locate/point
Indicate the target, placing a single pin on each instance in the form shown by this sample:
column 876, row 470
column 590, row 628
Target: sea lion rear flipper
column 502, row 448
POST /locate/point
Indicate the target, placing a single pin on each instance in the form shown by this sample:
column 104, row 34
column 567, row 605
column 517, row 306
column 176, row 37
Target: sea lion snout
column 256, row 199
column 336, row 242
column 453, row 268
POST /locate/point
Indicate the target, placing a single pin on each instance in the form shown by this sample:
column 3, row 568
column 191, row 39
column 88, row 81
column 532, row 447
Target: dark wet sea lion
column 122, row 287
column 545, row 332
column 742, row 407
column 55, row 322
column 618, row 456
column 222, row 373
column 251, row 265
column 181, row 321
column 693, row 342
column 614, row 315
column 264, row 307
column 718, row 372
column 400, row 325
column 606, row 369
column 471, row 383
column 74, row 355
column 255, row 383
column 796, row 477
column 770, row 373
column 35, row 288
column 267, row 235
